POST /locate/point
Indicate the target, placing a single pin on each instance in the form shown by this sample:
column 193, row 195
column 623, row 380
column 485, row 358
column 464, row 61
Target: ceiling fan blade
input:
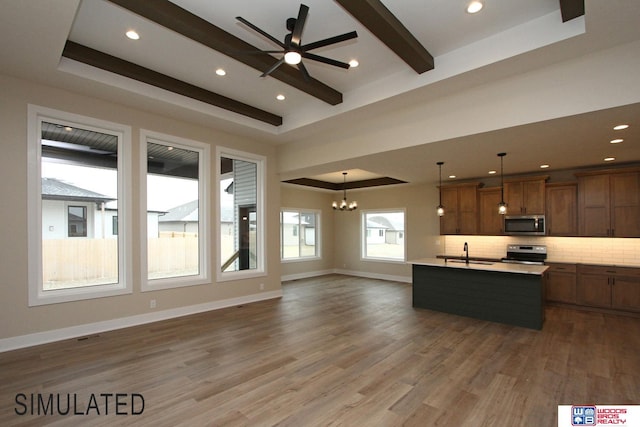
column 304, row 72
column 272, row 68
column 296, row 34
column 330, row 40
column 264, row 33
column 325, row 60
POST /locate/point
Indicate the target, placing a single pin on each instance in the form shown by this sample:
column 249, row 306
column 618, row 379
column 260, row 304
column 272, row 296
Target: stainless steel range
column 526, row 254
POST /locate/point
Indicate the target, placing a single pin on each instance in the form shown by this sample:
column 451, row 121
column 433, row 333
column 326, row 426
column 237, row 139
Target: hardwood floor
column 334, row 351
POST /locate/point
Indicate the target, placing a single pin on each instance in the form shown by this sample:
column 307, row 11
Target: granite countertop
column 500, row 267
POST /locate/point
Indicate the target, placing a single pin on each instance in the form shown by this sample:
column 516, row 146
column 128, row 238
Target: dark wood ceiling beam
column 119, row 66
column 173, row 17
column 339, row 186
column 571, row 9
column 389, row 30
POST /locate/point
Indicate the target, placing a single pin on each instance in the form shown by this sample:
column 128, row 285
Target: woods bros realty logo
column 598, row 415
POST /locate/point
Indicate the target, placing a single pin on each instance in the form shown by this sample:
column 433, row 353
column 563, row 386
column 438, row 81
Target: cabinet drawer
column 561, row 268
column 612, row 271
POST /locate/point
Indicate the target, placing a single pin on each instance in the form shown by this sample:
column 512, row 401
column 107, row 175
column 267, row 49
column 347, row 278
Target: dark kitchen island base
column 506, row 297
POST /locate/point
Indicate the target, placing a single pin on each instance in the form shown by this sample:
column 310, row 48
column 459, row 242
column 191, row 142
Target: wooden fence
column 71, row 263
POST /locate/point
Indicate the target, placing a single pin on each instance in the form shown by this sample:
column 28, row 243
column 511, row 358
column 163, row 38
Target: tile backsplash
column 581, row 250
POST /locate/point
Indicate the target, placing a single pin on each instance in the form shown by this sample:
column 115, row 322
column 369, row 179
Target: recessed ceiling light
column 133, row 35
column 452, row 176
column 221, row 72
column 474, row 7
column 620, row 127
column 68, row 128
column 609, row 159
column 280, row 97
column 492, row 172
column 353, row 63
column 616, row 141
column 544, row 166
column 169, row 148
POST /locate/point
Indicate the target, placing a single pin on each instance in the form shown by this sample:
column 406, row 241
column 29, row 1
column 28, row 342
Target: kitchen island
column 499, row 292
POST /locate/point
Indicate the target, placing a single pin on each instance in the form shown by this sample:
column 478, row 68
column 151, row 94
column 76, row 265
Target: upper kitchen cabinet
column 491, row 222
column 460, row 209
column 525, row 196
column 561, row 208
column 609, row 203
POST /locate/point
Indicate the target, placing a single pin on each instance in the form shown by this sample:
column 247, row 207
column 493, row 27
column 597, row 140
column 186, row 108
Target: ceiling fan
column 292, row 48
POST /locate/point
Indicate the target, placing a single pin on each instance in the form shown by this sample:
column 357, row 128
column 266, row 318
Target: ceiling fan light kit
column 292, row 48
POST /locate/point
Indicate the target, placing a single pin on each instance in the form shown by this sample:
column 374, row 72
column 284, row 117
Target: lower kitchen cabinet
column 609, row 287
column 560, row 283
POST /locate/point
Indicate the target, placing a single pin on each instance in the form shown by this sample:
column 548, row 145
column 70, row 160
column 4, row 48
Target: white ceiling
column 33, row 34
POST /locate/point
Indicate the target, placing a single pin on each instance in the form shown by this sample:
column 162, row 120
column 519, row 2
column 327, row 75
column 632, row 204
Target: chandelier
column 343, row 205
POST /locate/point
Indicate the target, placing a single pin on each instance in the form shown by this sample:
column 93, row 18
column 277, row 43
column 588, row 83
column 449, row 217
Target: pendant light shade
column 502, row 206
column 440, row 208
column 343, row 205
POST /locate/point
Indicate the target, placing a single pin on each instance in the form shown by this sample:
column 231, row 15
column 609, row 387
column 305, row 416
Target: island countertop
column 500, row 267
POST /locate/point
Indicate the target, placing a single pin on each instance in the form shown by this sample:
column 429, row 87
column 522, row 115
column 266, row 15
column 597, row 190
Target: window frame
column 364, row 233
column 261, row 206
column 37, row 295
column 204, row 240
column 299, row 211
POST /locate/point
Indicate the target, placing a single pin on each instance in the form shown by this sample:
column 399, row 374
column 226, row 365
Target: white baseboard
column 306, row 275
column 14, row 343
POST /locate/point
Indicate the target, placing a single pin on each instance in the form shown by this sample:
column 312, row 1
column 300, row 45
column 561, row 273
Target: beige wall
column 292, row 196
column 341, row 230
column 16, row 317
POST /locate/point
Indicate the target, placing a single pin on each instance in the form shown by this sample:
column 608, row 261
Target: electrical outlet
column 152, row 303
column 262, row 286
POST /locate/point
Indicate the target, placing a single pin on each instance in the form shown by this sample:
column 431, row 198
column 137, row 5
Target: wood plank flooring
column 334, row 351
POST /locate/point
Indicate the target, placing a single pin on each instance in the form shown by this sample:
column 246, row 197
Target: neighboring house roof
column 187, row 212
column 293, row 220
column 54, row 189
column 383, row 222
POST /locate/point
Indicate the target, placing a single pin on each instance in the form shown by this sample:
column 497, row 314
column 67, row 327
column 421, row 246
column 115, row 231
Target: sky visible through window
column 163, row 192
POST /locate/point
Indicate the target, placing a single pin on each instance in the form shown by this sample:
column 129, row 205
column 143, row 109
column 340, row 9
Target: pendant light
column 502, row 206
column 440, row 208
column 343, row 206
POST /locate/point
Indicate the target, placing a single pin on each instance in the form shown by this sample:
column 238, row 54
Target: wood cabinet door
column 594, row 205
column 533, row 197
column 514, row 198
column 468, row 209
column 561, row 287
column 449, row 222
column 625, row 204
column 561, row 208
column 594, row 290
column 490, row 222
column 626, row 293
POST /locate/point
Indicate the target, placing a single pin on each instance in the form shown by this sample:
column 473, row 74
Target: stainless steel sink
column 461, row 261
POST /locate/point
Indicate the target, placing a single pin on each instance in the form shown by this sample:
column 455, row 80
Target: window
column 175, row 221
column 77, row 221
column 299, row 234
column 78, row 175
column 241, row 210
column 383, row 235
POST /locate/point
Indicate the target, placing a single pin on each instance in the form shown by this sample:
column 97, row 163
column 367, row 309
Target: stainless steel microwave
column 530, row 225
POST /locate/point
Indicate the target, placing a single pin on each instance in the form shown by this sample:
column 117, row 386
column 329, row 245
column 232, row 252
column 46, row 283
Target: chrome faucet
column 466, row 251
